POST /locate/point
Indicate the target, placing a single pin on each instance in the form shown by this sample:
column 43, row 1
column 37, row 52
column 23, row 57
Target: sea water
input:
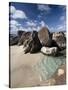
column 48, row 65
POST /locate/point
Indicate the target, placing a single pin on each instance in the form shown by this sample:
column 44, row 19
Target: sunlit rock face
column 45, row 37
column 60, row 39
column 24, row 36
column 34, row 44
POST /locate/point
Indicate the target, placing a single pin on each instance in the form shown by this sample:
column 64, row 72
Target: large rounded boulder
column 49, row 50
column 60, row 39
column 45, row 37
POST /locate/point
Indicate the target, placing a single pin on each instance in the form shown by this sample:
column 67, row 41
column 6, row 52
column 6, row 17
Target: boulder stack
column 34, row 44
column 60, row 39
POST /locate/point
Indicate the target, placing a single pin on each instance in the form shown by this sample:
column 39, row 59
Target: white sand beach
column 21, row 71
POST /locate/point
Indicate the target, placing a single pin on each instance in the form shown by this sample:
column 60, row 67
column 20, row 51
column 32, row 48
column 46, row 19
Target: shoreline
column 22, row 72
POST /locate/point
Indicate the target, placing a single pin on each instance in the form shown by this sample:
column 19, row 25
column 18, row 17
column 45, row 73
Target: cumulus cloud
column 42, row 23
column 13, row 29
column 34, row 25
column 33, row 28
column 62, row 26
column 62, row 18
column 52, row 29
column 44, row 7
column 31, row 23
column 38, row 28
column 59, row 27
column 14, row 26
column 28, row 28
column 23, row 28
column 15, row 23
column 12, row 9
column 17, row 13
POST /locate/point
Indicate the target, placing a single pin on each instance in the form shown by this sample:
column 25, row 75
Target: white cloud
column 38, row 28
column 23, row 28
column 12, row 9
column 42, row 23
column 13, row 29
column 61, row 27
column 27, row 28
column 14, row 22
column 17, row 13
column 14, row 26
column 52, row 29
column 33, row 28
column 34, row 25
column 43, row 7
column 62, row 18
column 31, row 23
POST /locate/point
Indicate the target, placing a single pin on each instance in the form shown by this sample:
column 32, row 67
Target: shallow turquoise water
column 49, row 64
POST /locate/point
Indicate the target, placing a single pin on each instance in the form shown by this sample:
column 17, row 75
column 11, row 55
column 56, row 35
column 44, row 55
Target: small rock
column 60, row 72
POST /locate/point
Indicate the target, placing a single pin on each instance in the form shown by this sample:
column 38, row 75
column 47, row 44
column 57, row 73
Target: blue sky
column 28, row 17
